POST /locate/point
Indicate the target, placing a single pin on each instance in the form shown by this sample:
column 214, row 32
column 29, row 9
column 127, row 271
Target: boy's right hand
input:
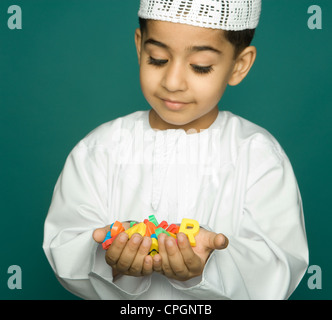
column 128, row 257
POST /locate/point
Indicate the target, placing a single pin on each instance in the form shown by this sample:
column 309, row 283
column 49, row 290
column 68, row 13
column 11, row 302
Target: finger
column 157, row 263
column 176, row 259
column 136, row 268
column 165, row 265
column 100, row 234
column 193, row 262
column 129, row 253
column 147, row 265
column 218, row 241
column 114, row 252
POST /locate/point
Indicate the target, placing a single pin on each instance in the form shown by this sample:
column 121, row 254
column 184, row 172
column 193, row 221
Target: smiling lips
column 174, row 105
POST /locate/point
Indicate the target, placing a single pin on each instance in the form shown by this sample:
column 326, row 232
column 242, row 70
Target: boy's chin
column 173, row 121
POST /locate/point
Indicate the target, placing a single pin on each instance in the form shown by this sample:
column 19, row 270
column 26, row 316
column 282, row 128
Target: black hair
column 239, row 39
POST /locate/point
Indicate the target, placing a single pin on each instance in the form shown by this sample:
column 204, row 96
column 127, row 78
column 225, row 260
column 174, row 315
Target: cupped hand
column 127, row 256
column 178, row 260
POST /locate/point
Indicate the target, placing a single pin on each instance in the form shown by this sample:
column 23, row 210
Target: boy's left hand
column 181, row 261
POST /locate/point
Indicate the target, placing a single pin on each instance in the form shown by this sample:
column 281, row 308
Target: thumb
column 100, row 234
column 218, row 241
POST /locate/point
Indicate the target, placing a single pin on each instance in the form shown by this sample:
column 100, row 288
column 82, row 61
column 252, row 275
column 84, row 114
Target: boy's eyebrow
column 191, row 49
column 204, row 48
column 156, row 43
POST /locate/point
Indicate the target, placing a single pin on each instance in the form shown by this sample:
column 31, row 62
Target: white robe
column 233, row 178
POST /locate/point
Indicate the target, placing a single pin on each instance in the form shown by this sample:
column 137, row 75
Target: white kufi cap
column 227, row 15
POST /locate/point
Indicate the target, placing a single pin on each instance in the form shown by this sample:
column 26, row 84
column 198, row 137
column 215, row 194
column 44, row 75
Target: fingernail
column 226, row 242
column 136, row 239
column 161, row 238
column 146, row 242
column 170, row 243
column 123, row 237
column 181, row 237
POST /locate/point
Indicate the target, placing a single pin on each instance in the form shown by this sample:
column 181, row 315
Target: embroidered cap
column 227, row 15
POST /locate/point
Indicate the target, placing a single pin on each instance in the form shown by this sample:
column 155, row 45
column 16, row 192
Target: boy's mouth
column 174, row 105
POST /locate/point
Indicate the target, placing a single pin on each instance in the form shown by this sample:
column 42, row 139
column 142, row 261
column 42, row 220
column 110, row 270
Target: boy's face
column 184, row 71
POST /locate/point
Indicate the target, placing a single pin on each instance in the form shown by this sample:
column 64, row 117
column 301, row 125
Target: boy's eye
column 157, row 62
column 197, row 69
column 202, row 70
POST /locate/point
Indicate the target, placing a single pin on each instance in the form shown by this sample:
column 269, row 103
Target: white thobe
column 233, row 178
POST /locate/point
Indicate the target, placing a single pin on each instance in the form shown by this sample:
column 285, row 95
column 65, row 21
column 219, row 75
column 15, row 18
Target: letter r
column 190, row 228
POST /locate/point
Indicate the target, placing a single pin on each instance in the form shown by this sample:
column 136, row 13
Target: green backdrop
column 73, row 66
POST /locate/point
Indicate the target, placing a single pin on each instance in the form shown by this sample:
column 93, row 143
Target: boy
column 182, row 159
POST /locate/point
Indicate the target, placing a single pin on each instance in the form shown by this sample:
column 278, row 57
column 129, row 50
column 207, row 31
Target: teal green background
column 73, row 66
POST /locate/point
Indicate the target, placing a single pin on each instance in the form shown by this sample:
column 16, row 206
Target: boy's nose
column 175, row 78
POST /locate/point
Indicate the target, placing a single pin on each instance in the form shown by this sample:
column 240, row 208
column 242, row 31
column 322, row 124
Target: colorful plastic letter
column 190, row 228
column 172, row 234
column 116, row 228
column 131, row 231
column 154, row 245
column 138, row 228
column 108, row 236
column 106, row 244
column 161, row 230
column 150, row 228
column 163, row 225
column 154, row 236
column 153, row 253
column 153, row 219
column 173, row 228
column 132, row 223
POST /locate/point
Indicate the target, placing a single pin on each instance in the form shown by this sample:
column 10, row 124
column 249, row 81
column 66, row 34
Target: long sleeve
column 267, row 254
column 79, row 206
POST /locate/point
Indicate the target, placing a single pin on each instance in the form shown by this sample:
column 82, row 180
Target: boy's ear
column 243, row 64
column 138, row 42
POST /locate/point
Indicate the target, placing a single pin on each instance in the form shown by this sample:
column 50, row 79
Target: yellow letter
column 138, row 228
column 190, row 228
